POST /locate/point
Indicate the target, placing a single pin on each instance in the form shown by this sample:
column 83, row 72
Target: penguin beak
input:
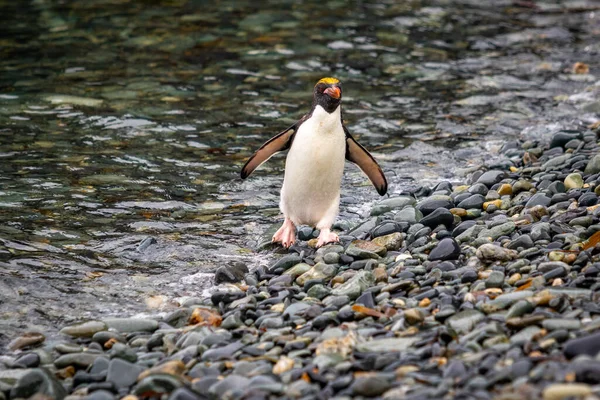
column 334, row 92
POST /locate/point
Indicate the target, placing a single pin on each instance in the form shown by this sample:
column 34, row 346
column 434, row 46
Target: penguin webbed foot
column 286, row 235
column 326, row 236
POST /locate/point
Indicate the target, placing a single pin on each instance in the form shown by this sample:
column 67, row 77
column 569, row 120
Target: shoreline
column 448, row 291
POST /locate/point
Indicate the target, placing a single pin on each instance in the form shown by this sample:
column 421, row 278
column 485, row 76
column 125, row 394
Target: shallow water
column 123, row 127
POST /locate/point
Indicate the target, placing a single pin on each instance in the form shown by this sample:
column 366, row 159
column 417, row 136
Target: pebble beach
column 483, row 290
column 135, row 264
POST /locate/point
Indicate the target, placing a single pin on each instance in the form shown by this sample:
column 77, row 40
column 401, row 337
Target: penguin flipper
column 280, row 142
column 360, row 156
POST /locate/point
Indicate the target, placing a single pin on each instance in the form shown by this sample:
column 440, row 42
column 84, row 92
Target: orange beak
column 334, row 92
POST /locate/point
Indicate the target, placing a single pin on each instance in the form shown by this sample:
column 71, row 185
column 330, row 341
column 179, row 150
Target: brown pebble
column 284, row 364
column 570, row 258
column 514, row 278
column 497, row 203
column 67, row 372
column 174, row 367
column 413, row 316
column 460, row 212
column 425, row 302
column 380, row 274
column 25, row 340
column 505, row 189
column 580, row 68
column 205, row 316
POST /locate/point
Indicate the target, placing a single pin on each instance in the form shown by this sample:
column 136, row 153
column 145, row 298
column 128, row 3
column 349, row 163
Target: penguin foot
column 326, row 236
column 286, row 235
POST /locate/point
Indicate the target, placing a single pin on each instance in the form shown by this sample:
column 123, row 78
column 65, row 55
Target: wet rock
column 305, row 233
column 231, row 273
column 385, row 345
column 573, row 181
column 409, row 214
column 28, row 339
column 593, row 166
column 560, row 139
column 184, row 394
column 588, row 199
column 497, row 231
column 370, row 385
column 298, row 270
column 413, row 316
column 392, row 241
column 540, row 231
column 366, row 299
column 556, row 162
column 490, row 178
column 432, row 203
column 489, row 252
column 231, row 322
column 79, row 360
column 495, row 280
column 84, row 329
column 455, row 369
column 474, row 201
column 29, row 360
column 285, row 263
column 355, row 285
column 525, row 335
column 227, row 294
column 231, row 384
column 464, row 321
column 538, row 199
column 157, row 385
column 364, row 249
column 123, row 374
column 523, row 242
column 560, row 391
column 129, row 325
column 440, row 216
column 398, row 202
column 221, row 353
column 38, row 381
column 319, row 271
column 446, row 249
column 589, row 345
column 100, row 395
column 521, row 186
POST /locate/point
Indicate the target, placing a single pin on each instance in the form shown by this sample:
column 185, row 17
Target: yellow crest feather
column 329, row 81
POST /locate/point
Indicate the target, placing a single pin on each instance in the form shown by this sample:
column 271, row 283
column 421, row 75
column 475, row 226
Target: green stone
column 574, row 181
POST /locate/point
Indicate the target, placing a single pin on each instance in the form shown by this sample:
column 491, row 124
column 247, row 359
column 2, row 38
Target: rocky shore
column 487, row 289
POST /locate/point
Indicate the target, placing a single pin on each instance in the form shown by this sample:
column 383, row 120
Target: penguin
column 318, row 144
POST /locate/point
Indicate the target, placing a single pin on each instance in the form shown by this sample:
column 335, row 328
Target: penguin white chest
column 313, row 170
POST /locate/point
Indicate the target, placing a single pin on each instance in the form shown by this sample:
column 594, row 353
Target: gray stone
column 38, row 381
column 355, row 285
column 80, row 360
column 386, row 345
column 123, row 374
column 129, row 325
column 408, row 214
column 230, row 384
column 84, row 329
column 495, row 232
column 465, row 321
column 489, row 252
column 490, row 178
column 593, row 166
column 318, row 271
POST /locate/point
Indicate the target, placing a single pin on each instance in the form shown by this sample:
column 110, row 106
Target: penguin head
column 328, row 94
